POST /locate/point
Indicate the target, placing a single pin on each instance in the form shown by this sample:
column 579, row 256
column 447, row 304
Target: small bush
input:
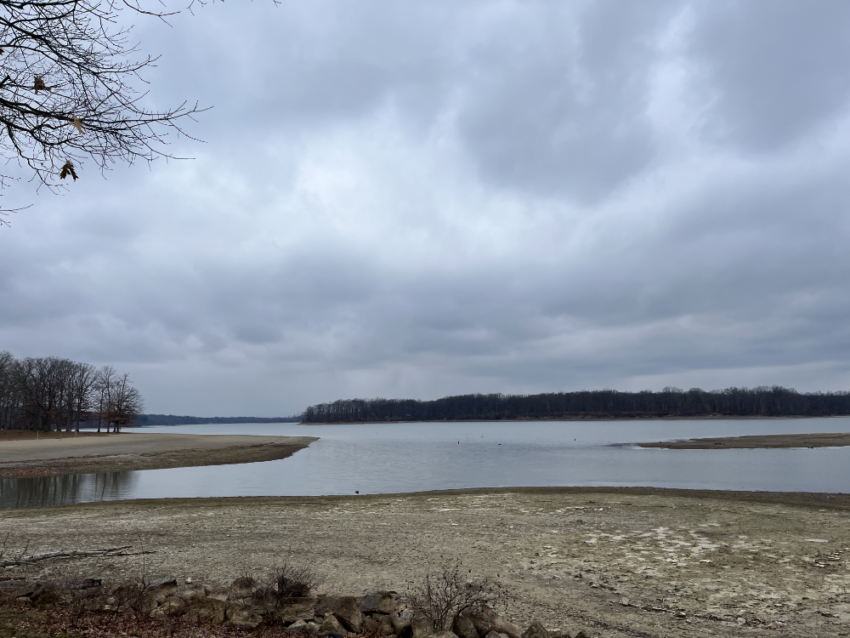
column 448, row 592
column 293, row 582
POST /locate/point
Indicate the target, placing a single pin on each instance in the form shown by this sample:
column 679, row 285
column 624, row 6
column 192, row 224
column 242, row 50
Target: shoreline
column 617, row 561
column 131, row 451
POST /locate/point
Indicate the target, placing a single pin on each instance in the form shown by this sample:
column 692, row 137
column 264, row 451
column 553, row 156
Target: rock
column 536, row 630
column 445, row 634
column 311, row 628
column 581, row 633
column 219, row 593
column 383, row 602
column 163, row 583
column 242, row 587
column 171, row 606
column 243, row 616
column 421, row 627
column 385, row 623
column 26, row 590
column 332, row 626
column 193, row 592
column 45, row 596
column 109, row 604
column 464, row 627
column 370, row 626
column 487, row 620
column 298, row 625
column 496, row 634
column 292, row 609
column 205, row 610
column 346, row 609
column 401, row 620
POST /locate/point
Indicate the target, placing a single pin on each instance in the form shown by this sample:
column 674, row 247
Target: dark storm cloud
column 450, row 197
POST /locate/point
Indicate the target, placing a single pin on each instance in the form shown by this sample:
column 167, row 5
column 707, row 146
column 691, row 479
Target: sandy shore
column 827, row 439
column 616, row 562
column 131, row 451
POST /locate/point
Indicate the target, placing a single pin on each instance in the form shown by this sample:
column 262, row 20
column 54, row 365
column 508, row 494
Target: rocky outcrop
column 247, row 605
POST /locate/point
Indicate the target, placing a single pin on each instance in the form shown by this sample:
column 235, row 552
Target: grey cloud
column 771, row 71
column 563, row 110
column 416, row 201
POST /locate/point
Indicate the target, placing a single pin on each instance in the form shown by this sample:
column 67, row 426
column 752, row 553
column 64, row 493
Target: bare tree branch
column 69, row 90
column 27, row 559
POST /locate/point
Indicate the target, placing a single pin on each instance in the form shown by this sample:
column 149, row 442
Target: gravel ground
column 615, row 562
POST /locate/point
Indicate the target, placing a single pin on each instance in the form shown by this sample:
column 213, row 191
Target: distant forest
column 170, row 419
column 670, row 402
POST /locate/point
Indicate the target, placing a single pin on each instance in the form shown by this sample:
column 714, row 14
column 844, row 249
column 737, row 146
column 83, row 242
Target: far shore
column 622, row 417
column 89, row 453
column 757, row 441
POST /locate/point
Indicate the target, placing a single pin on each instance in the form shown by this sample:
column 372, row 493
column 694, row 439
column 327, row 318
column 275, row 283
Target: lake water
column 411, row 457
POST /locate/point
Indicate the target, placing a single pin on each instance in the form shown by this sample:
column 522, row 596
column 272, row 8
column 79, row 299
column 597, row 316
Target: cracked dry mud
column 615, row 562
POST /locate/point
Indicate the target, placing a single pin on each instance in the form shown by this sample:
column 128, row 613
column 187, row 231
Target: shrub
column 293, row 582
column 448, row 592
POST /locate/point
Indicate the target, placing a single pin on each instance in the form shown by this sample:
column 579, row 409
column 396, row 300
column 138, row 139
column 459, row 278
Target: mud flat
column 614, row 562
column 761, row 441
column 131, row 451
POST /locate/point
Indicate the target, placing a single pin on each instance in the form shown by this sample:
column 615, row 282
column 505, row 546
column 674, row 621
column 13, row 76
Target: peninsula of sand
column 87, row 453
column 758, row 441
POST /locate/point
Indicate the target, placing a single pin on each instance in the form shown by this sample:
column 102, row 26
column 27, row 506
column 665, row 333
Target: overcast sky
column 417, row 199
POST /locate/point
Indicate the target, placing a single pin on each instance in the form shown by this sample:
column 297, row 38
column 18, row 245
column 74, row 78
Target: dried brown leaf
column 68, row 169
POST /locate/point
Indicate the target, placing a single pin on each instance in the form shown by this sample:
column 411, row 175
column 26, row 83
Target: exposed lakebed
column 412, row 457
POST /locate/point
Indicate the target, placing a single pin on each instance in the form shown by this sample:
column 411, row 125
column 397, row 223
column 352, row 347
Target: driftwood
column 110, row 552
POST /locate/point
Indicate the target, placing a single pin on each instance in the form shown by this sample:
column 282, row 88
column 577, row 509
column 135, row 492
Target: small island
column 757, row 441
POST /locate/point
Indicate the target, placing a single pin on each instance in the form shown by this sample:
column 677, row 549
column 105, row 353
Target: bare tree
column 8, row 395
column 125, row 403
column 83, row 384
column 69, row 79
column 38, row 393
column 103, row 385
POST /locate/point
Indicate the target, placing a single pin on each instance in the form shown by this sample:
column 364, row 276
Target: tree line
column 171, row 419
column 43, row 392
column 670, row 402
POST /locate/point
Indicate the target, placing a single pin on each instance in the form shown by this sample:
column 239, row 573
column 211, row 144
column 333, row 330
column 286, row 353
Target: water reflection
column 65, row 489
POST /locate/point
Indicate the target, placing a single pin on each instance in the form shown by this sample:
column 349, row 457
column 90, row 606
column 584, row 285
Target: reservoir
column 411, row 457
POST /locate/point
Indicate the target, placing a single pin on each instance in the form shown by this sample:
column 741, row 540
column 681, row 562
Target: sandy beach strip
column 132, row 451
column 757, row 441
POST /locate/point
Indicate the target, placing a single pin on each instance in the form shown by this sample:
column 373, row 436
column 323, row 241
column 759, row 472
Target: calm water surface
column 386, row 458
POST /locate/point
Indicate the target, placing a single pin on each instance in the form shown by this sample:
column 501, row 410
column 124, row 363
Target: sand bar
column 132, row 451
column 757, row 441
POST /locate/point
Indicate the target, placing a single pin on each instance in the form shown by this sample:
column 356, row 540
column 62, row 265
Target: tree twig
column 110, row 552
